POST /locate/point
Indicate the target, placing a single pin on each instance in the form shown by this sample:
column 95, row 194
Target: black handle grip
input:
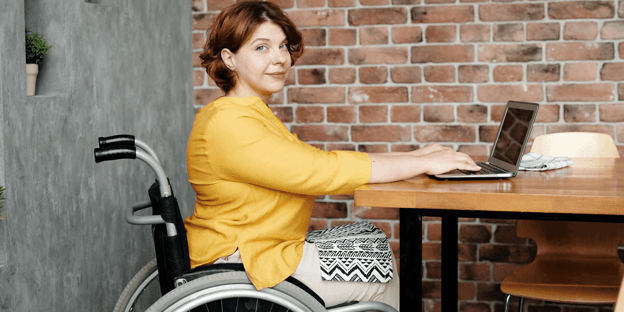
column 120, row 139
column 114, row 153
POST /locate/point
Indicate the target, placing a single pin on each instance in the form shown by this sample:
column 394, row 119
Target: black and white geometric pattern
column 357, row 252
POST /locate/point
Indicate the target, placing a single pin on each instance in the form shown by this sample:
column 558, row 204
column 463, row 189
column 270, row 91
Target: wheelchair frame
column 189, row 289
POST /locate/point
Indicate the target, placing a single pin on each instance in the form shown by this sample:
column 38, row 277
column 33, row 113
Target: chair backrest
column 576, row 144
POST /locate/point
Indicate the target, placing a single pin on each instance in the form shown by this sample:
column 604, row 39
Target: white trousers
column 309, row 272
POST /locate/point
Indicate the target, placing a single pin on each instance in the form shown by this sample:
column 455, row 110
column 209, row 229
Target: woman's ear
column 229, row 59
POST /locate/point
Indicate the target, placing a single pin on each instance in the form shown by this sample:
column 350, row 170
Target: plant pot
column 31, row 78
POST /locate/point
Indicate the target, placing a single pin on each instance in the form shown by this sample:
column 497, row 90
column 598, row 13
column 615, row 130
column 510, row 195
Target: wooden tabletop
column 589, row 186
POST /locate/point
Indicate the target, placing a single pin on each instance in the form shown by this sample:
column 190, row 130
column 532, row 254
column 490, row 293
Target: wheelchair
column 168, row 284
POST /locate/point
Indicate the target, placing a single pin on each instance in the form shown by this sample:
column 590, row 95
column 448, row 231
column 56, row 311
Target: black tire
column 142, row 290
column 232, row 291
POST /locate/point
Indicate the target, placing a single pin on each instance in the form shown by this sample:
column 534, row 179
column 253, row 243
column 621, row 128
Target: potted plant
column 2, row 189
column 36, row 49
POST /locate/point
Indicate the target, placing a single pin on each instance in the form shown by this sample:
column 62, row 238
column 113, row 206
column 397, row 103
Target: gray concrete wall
column 116, row 66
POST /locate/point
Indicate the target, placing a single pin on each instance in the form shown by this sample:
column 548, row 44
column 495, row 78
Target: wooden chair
column 576, row 262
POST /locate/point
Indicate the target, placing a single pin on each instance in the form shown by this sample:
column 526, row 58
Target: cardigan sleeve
column 243, row 148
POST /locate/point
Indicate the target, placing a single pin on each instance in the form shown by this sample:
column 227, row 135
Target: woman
column 255, row 182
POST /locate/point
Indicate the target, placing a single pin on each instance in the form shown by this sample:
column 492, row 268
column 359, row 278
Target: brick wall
column 395, row 75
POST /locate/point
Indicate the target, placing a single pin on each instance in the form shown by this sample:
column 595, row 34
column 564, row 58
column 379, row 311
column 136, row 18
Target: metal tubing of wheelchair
column 233, row 291
column 365, row 306
column 147, row 148
column 142, row 220
column 165, row 189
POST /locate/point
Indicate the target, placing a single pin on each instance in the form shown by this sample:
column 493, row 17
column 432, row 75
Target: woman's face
column 261, row 64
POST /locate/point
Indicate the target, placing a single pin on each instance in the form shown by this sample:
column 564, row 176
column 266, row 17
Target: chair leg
column 520, row 304
column 507, row 299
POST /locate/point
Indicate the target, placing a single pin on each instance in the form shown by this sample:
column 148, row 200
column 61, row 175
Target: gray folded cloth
column 539, row 162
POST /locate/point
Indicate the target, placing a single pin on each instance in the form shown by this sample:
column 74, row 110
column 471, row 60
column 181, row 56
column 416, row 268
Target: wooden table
column 592, row 189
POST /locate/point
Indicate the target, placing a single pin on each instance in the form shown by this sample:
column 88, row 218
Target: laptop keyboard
column 485, row 169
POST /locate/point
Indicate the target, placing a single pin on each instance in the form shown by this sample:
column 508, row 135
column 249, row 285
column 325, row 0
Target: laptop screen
column 512, row 136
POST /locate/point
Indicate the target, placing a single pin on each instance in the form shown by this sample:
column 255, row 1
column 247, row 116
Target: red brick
column 472, row 113
column 474, row 150
column 580, row 31
column 317, row 224
column 621, row 9
column 506, row 234
column 203, row 21
column 443, row 14
column 467, row 252
column 447, row 133
column 199, row 39
column 510, row 53
column 579, row 113
column 341, row 3
column 473, row 73
column 439, row 73
column 198, row 77
column 447, row 33
column 380, row 133
column 433, row 94
column 503, row 269
column 373, row 35
column 612, row 71
column 329, row 210
column 339, row 36
column 474, row 271
column 382, row 55
column 487, row 133
column 506, row 73
column 310, row 114
column 342, row 75
column 314, row 37
column 581, row 9
column 316, row 18
column 322, row 56
column 434, row 231
column 370, row 75
column 465, row 291
column 543, row 72
column 373, row 2
column 277, row 98
column 321, row 132
column 474, row 33
column 205, row 96
column 341, row 114
column 408, row 113
column 611, row 112
column 509, row 32
column 511, row 12
column 340, row 147
column 402, row 148
column 434, row 269
column 442, row 54
column 567, row 51
column 375, row 213
column 308, row 76
column 489, row 292
column 474, row 307
column 284, row 114
column 431, row 289
column 407, row 34
column 310, row 3
column 378, row 94
column 543, row 31
column 316, row 95
column 370, row 113
column 198, row 5
column 196, row 59
column 580, row 71
column 411, row 74
column 621, row 91
column 503, row 93
column 439, row 113
column 581, row 92
column 612, row 30
column 506, row 253
column 377, row 16
column 475, row 233
column 285, row 4
column 373, row 148
column 606, row 129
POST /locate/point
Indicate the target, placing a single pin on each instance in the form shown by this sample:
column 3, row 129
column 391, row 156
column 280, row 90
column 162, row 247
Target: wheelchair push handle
column 120, row 139
column 114, row 153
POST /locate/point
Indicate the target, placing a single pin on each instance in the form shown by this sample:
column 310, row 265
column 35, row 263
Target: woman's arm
column 433, row 159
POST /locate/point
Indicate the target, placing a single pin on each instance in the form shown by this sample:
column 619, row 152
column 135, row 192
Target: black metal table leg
column 449, row 263
column 411, row 260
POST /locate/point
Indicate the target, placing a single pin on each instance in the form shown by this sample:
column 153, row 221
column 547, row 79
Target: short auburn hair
column 233, row 27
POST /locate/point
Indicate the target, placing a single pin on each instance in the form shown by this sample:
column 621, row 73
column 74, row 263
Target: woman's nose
column 280, row 57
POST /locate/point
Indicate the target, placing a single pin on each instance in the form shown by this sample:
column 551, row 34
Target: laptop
column 511, row 140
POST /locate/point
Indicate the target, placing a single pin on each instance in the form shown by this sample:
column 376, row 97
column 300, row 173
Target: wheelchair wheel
column 233, row 292
column 142, row 290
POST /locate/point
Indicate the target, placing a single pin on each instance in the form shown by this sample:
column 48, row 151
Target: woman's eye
column 283, row 46
column 261, row 48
